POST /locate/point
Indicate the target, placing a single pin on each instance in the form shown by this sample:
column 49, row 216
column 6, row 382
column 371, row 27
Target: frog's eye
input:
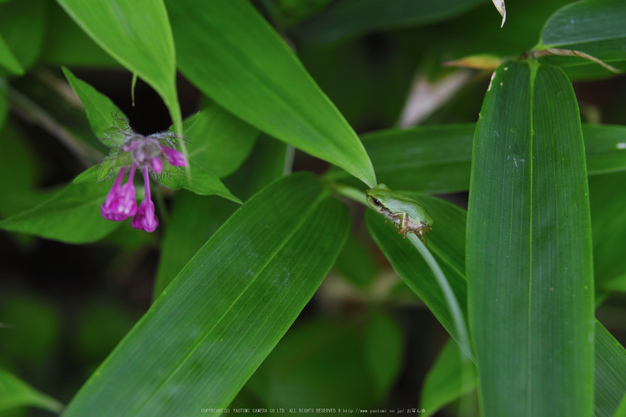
column 377, row 202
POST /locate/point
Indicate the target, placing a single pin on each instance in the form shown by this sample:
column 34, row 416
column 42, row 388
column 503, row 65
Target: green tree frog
column 408, row 215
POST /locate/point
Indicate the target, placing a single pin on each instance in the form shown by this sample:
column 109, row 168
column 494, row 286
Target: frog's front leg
column 403, row 227
column 395, row 217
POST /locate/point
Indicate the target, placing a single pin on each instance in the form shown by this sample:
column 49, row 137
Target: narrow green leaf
column 71, row 215
column 16, row 393
column 8, row 60
column 436, row 159
column 355, row 17
column 22, row 25
column 407, row 262
column 137, row 34
column 595, row 27
column 246, row 68
column 101, row 112
column 444, row 382
column 219, row 142
column 610, row 373
column 529, row 293
column 216, row 322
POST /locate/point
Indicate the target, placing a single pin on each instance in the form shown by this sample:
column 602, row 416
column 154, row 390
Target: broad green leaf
column 67, row 44
column 219, row 142
column 16, row 393
column 195, row 218
column 355, row 17
column 193, row 221
column 605, row 148
column 408, row 263
column 318, row 364
column 444, row 382
column 621, row 410
column 383, row 351
column 8, row 60
column 609, row 231
column 530, row 294
column 436, row 159
column 595, row 27
column 101, row 112
column 137, row 34
column 218, row 320
column 22, row 25
column 71, row 215
column 246, row 68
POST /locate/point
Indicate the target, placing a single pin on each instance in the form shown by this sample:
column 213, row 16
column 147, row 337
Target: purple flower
column 120, row 203
column 147, row 153
column 145, row 218
column 174, row 157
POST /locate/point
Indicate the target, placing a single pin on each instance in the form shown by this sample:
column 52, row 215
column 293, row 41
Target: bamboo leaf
column 444, row 382
column 531, row 295
column 436, row 159
column 246, row 68
column 70, row 215
column 595, row 27
column 195, row 218
column 227, row 309
column 448, row 246
column 16, row 393
column 355, row 17
column 609, row 232
column 610, row 375
column 219, row 141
